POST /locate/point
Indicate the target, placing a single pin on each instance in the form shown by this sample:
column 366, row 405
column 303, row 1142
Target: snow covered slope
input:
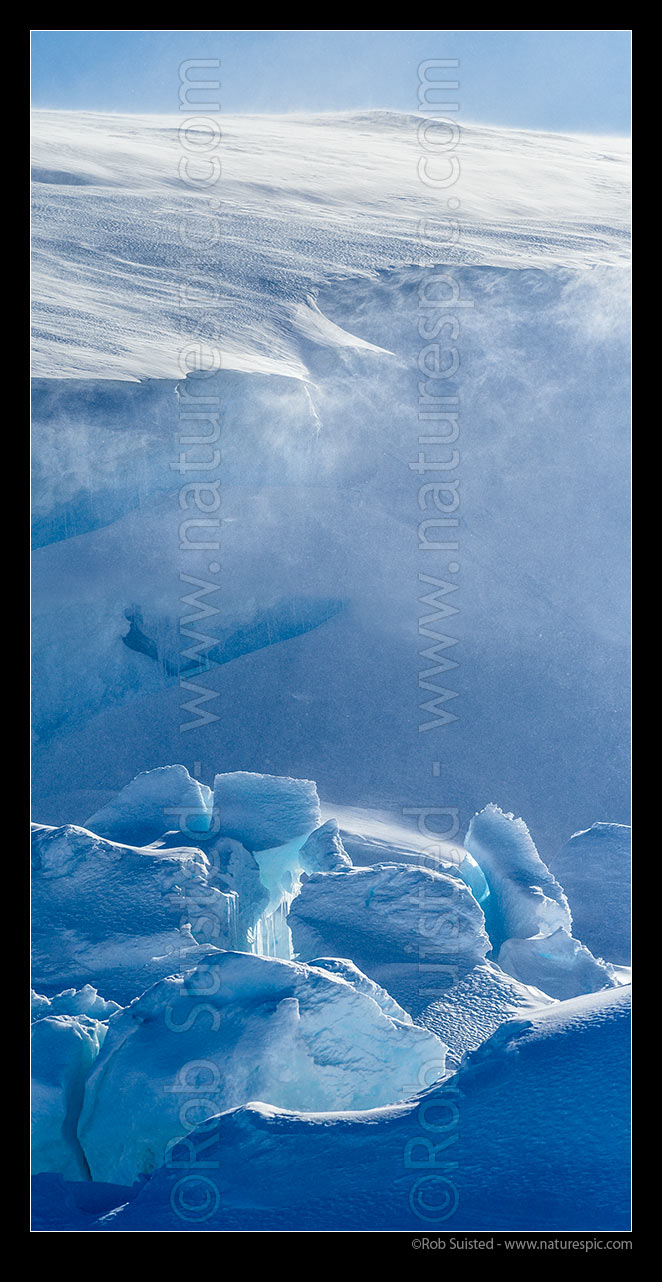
column 303, row 200
column 534, row 1129
column 312, row 293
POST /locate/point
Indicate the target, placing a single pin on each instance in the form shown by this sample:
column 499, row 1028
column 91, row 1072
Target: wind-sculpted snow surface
column 289, row 222
column 120, row 916
column 535, row 1127
column 240, row 1028
column 479, row 1003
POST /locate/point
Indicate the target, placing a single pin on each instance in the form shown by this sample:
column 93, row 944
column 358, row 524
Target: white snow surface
column 265, row 811
column 303, row 200
column 239, row 1028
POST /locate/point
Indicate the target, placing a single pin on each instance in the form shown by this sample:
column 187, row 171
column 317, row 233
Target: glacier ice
column 594, row 870
column 63, row 1049
column 409, row 928
column 524, row 897
column 391, row 989
column 234, row 870
column 323, row 850
column 82, row 1001
column 527, row 912
column 120, row 916
column 535, row 1128
column 238, row 1028
column 264, row 811
column 152, row 803
column 558, row 964
column 268, row 625
column 238, row 871
column 82, row 667
column 319, row 288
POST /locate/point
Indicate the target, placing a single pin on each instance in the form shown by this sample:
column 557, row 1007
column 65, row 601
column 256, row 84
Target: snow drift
column 554, row 1155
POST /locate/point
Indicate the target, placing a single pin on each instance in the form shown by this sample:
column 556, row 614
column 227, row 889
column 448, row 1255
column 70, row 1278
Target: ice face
column 409, row 928
column 152, row 803
column 524, row 899
column 594, row 870
column 87, row 927
column 558, row 964
column 265, row 811
column 120, row 708
column 238, row 870
column 241, row 1027
column 63, row 1048
column 319, row 377
column 323, row 850
column 82, row 1001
